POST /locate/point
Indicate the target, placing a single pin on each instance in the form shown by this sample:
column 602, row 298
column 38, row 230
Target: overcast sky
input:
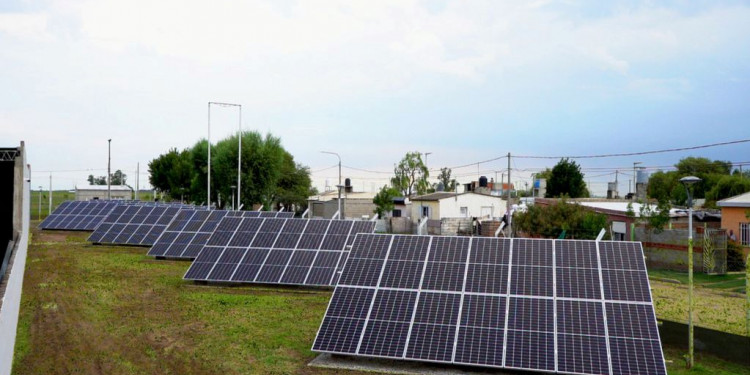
column 466, row 81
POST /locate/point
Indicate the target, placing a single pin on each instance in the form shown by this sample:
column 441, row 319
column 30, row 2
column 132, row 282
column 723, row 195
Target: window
column 396, row 213
column 745, row 234
column 425, row 211
column 465, row 211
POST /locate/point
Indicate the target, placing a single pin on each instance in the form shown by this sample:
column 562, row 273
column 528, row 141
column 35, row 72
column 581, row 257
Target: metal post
column 109, row 172
column 239, row 159
column 337, row 155
column 507, row 205
column 50, row 194
column 40, row 203
column 137, row 179
column 209, row 156
column 687, row 181
column 691, row 359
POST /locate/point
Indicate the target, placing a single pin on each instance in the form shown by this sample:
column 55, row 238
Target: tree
column 294, row 185
column 550, row 221
column 101, row 180
column 449, row 184
column 171, row 173
column 384, row 200
column 119, row 178
column 727, row 186
column 566, row 179
column 411, row 175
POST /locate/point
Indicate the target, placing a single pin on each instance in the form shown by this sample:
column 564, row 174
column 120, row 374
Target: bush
column 735, row 261
column 549, row 221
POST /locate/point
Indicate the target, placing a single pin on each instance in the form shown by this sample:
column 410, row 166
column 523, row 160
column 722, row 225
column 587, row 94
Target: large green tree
column 716, row 181
column 566, row 179
column 411, row 175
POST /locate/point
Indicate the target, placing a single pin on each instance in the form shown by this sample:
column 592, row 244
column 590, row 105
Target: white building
column 436, row 206
column 89, row 192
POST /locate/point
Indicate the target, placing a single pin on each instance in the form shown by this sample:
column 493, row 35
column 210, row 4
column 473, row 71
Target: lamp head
column 689, row 180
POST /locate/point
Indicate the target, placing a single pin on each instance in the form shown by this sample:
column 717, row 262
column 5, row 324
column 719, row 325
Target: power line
column 634, row 153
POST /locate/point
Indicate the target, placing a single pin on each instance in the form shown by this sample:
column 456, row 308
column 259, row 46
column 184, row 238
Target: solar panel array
column 277, row 251
column 78, row 215
column 135, row 224
column 578, row 307
column 186, row 235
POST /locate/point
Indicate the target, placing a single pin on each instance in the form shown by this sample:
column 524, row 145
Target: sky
column 465, row 81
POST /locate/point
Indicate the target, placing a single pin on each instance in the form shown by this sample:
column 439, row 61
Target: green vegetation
column 550, row 221
column 566, row 179
column 113, row 310
column 384, row 200
column 718, row 302
column 718, row 181
column 444, row 178
column 410, row 175
column 270, row 176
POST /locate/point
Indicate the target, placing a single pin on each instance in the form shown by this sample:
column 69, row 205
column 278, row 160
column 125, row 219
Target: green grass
column 114, row 310
column 734, row 282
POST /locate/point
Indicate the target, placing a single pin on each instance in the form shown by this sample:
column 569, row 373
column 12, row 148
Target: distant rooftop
column 742, row 200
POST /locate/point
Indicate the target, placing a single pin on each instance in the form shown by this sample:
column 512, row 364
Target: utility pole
column 137, row 179
column 50, row 195
column 507, row 204
column 40, row 203
column 617, row 185
column 109, row 173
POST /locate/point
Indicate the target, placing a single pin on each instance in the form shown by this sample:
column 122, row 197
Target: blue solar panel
column 78, row 215
column 135, row 224
column 531, row 304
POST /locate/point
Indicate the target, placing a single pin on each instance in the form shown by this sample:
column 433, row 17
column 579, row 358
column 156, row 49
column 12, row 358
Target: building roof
column 440, row 195
column 742, row 200
column 622, row 207
column 103, row 188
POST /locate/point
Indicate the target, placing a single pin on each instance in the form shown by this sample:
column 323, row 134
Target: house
column 401, row 207
column 436, row 206
column 89, row 192
column 735, row 217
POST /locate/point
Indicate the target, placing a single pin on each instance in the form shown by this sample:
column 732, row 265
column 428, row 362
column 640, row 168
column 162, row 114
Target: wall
column 724, row 345
column 668, row 249
column 451, row 207
column 11, row 298
column 454, row 226
column 357, row 208
column 416, row 210
column 87, row 195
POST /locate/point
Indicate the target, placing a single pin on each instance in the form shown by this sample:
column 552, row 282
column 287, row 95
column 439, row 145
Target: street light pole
column 109, row 172
column 635, row 181
column 40, row 203
column 687, row 181
column 339, row 185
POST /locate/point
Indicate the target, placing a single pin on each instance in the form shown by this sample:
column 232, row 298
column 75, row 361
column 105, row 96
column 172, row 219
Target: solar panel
column 187, row 233
column 276, row 250
column 78, row 215
column 564, row 306
column 135, row 224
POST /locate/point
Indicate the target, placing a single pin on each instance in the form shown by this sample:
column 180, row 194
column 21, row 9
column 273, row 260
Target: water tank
column 483, row 181
column 440, row 187
column 642, row 177
column 348, row 182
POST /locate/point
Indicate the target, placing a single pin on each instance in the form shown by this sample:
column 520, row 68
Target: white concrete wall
column 451, row 207
column 12, row 297
column 416, row 210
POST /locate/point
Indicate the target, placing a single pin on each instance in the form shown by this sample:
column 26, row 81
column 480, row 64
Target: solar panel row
column 134, row 224
column 78, row 215
column 273, row 250
column 186, row 235
column 578, row 307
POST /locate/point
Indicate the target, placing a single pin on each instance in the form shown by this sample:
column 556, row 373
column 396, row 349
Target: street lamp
column 687, row 182
column 233, row 187
column 109, row 172
column 339, row 185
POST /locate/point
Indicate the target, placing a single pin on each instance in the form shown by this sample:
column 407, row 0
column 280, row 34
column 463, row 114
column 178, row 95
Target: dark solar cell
column 444, row 276
column 582, row 354
column 576, row 254
column 582, row 283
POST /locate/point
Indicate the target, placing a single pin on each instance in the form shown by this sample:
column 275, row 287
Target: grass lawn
column 113, row 310
column 717, row 304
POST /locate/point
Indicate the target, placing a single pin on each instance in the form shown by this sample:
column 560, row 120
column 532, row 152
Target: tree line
column 270, row 175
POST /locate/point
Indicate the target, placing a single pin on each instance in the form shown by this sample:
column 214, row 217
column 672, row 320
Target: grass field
column 113, row 310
